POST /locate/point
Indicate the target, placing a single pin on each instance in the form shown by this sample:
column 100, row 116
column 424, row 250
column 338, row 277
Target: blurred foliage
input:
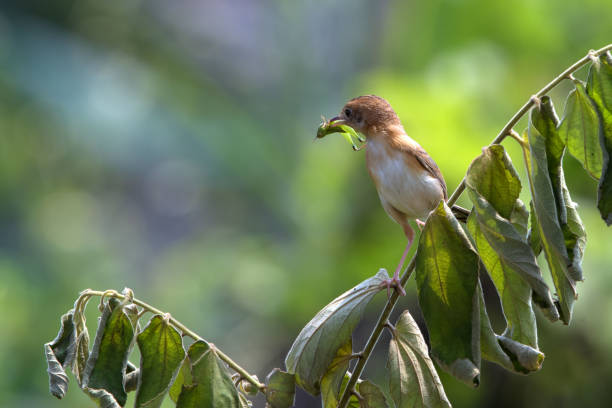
column 168, row 147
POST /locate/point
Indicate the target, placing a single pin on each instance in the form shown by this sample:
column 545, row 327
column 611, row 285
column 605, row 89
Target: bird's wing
column 430, row 165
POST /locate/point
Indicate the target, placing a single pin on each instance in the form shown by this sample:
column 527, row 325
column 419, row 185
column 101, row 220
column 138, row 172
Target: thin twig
column 506, row 131
column 185, row 331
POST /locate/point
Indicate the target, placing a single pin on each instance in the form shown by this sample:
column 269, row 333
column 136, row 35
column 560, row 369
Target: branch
column 88, row 293
column 506, row 131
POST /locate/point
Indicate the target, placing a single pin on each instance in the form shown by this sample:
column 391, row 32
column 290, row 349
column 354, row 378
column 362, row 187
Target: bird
column 408, row 181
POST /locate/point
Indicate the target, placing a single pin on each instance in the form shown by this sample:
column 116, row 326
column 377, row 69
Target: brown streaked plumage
column 409, row 183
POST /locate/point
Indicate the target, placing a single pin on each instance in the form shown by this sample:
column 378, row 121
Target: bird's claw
column 394, row 283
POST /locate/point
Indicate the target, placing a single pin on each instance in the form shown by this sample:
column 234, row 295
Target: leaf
column 132, row 377
column 280, row 389
column 413, row 380
column 510, row 354
column 494, row 177
column 103, row 398
column 183, row 377
column 315, row 347
column 505, row 253
column 60, row 354
column 550, row 232
column 161, row 351
column 446, row 277
column 599, row 89
column 108, row 359
column 579, row 129
column 533, row 236
column 82, row 354
column 331, row 381
column 211, row 385
column 371, row 395
column 545, row 121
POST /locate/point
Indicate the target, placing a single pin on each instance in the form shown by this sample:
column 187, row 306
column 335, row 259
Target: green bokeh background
column 168, row 147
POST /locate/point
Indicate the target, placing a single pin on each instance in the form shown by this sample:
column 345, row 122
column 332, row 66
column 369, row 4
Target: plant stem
column 184, row 329
column 506, row 131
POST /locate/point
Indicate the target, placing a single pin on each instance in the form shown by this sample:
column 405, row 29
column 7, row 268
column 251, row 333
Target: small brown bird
column 409, row 182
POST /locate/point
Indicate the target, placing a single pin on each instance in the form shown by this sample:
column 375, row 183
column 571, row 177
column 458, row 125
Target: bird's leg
column 420, row 224
column 395, row 280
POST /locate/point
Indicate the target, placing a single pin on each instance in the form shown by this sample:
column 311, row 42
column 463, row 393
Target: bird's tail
column 460, row 213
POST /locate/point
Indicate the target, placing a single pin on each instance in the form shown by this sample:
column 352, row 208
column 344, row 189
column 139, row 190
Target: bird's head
column 368, row 114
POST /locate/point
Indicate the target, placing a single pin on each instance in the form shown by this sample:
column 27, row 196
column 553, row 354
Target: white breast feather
column 412, row 192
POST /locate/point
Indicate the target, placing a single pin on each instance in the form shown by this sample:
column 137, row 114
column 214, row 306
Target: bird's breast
column 402, row 181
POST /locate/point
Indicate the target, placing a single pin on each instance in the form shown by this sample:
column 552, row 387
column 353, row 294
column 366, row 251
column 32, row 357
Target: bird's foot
column 420, row 224
column 394, row 283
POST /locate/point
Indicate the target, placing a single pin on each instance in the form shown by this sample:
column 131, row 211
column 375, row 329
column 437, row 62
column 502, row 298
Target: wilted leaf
column 211, row 385
column 132, row 377
column 183, row 377
column 505, row 253
column 545, row 121
column 550, row 232
column 108, row 358
column 280, row 389
column 371, row 395
column 446, row 277
column 103, row 398
column 599, row 88
column 161, row 351
column 331, row 381
column 504, row 351
column 60, row 354
column 82, row 354
column 413, row 380
column 315, row 347
column 579, row 129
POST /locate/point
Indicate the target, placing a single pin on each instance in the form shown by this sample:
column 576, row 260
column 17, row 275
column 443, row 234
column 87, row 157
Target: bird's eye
column 347, row 112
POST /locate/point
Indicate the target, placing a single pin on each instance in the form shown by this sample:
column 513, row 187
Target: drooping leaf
column 413, row 380
column 315, row 347
column 533, row 236
column 103, row 398
column 280, row 389
column 108, row 358
column 161, row 351
column 371, row 395
column 82, row 354
column 550, row 232
column 132, row 377
column 211, row 384
column 545, row 121
column 446, row 278
column 599, row 88
column 503, row 250
column 510, row 354
column 579, row 129
column 331, row 381
column 60, row 355
column 183, row 377
column 520, row 218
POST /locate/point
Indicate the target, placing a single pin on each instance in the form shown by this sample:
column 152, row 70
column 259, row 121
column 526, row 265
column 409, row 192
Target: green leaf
column 446, row 278
column 315, row 347
column 108, row 359
column 494, row 177
column 60, row 354
column 579, row 129
column 545, row 121
column 280, row 389
column 599, row 88
column 371, row 395
column 533, row 236
column 331, row 381
column 211, row 384
column 161, row 351
column 510, row 354
column 504, row 251
column 183, row 377
column 550, row 232
column 413, row 380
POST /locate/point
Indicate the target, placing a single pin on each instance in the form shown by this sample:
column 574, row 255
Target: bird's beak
column 336, row 121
